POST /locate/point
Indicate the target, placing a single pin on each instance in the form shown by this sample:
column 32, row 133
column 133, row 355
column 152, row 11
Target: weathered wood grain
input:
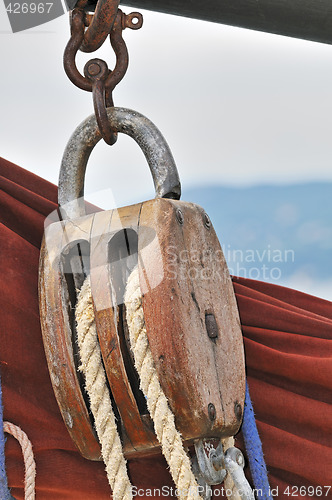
column 184, row 278
column 109, row 272
column 56, row 322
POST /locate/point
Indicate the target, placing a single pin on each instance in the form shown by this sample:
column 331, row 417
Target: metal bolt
column 211, row 326
column 207, row 221
column 239, row 459
column 179, row 216
column 238, row 410
column 216, row 461
column 94, row 69
column 211, row 412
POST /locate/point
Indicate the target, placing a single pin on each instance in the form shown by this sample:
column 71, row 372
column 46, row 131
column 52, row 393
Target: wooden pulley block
column 189, row 305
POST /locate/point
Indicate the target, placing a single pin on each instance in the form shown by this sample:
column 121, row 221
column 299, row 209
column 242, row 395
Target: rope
column 100, row 402
column 29, row 461
column 161, row 414
column 4, row 491
column 254, row 451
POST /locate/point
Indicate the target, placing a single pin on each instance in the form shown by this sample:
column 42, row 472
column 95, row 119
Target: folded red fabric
column 287, row 337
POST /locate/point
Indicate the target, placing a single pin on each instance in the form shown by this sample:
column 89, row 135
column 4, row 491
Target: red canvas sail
column 287, row 337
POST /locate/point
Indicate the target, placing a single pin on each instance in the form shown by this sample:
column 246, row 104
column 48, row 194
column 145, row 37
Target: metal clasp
column 211, row 466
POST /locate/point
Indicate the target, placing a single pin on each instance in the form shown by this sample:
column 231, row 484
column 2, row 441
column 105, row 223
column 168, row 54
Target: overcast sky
column 236, row 106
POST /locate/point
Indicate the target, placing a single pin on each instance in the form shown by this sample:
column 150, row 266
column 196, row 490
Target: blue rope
column 4, row 491
column 254, row 451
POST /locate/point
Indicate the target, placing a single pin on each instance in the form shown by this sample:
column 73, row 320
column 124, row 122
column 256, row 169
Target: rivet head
column 238, row 410
column 239, row 459
column 211, row 412
column 179, row 216
column 207, row 221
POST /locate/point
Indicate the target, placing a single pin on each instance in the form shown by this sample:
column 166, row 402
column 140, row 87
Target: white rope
column 161, row 414
column 29, row 461
column 100, row 402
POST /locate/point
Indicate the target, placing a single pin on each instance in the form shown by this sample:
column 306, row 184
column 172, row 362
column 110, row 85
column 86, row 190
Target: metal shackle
column 86, row 136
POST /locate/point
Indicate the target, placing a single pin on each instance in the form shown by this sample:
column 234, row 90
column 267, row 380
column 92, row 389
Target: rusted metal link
column 97, row 71
column 104, row 81
column 77, row 36
column 100, row 25
column 69, row 56
column 97, row 76
column 109, row 136
column 122, row 57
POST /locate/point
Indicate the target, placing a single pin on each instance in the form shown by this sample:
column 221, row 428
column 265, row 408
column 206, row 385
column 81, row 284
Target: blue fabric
column 4, row 491
column 255, row 451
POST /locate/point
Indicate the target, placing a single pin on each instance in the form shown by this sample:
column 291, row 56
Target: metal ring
column 72, row 47
column 100, row 25
column 121, row 53
column 107, row 133
column 87, row 135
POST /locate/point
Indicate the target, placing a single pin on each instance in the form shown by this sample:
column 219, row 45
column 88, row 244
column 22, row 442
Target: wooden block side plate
column 56, row 324
column 187, row 288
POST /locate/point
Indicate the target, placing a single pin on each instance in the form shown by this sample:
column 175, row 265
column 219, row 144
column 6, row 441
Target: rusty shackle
column 100, row 23
column 98, row 78
column 87, row 135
